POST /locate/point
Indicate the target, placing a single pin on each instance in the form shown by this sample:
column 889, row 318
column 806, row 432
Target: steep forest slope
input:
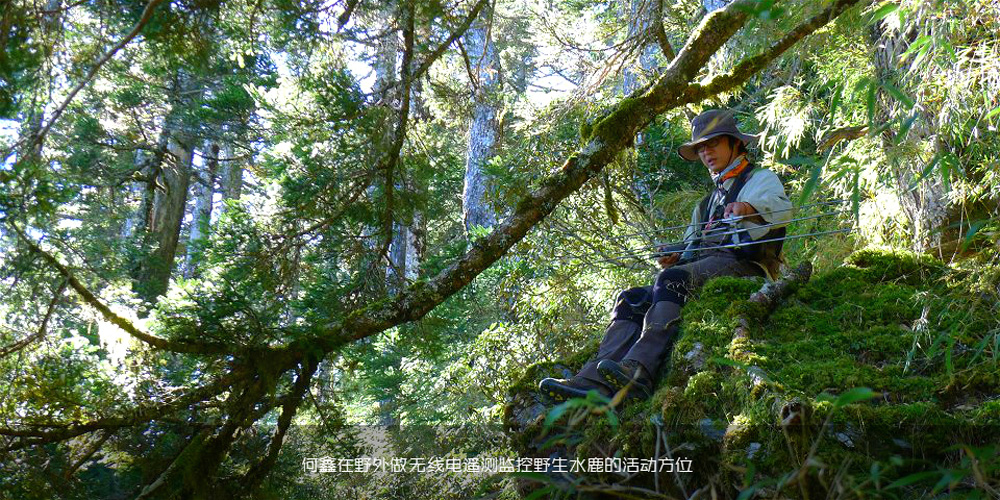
column 877, row 379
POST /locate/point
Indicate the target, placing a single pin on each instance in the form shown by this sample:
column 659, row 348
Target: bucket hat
column 709, row 124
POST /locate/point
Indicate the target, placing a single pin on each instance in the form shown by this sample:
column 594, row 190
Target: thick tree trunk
column 52, row 28
column 150, row 171
column 231, row 180
column 165, row 223
column 484, row 130
column 404, row 257
column 204, row 192
column 169, row 182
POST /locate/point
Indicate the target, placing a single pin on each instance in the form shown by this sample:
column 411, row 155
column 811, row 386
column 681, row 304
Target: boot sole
column 560, row 393
column 618, row 380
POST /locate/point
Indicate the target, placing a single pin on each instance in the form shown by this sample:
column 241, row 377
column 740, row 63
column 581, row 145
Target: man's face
column 715, row 153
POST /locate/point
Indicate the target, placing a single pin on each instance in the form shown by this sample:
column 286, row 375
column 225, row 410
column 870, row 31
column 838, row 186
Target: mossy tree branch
column 34, row 434
column 609, row 136
column 752, row 65
column 660, row 33
column 186, row 347
column 256, row 474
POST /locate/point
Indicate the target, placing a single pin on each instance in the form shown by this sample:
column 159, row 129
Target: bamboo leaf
column 842, row 167
column 956, row 165
column 540, row 492
column 993, row 113
column 973, row 229
column 913, row 479
column 870, row 96
column 980, row 348
column 883, row 11
column 811, row 183
column 921, row 55
column 861, row 84
column 856, row 193
column 596, row 398
column 948, row 363
column 904, row 128
column 949, row 479
column 558, row 411
column 838, row 95
column 915, row 46
column 853, row 396
column 927, row 171
column 945, row 167
column 949, row 49
column 898, row 95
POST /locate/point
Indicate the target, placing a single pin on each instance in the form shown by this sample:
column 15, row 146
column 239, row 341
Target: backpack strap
column 730, row 196
column 741, row 180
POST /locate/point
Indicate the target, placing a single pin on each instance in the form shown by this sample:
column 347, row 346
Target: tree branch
column 399, row 131
column 188, row 347
column 454, row 36
column 661, row 34
column 292, row 401
column 439, row 51
column 841, row 134
column 207, row 450
column 346, row 15
column 612, row 134
column 147, row 14
column 42, row 329
column 751, row 65
column 89, row 452
column 61, row 432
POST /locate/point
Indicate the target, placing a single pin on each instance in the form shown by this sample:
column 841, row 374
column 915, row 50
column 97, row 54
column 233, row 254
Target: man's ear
column 736, row 144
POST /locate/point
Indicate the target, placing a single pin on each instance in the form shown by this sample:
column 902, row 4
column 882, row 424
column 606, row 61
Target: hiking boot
column 628, row 373
column 561, row 389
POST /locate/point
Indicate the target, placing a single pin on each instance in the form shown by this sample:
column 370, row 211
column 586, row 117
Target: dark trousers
column 644, row 320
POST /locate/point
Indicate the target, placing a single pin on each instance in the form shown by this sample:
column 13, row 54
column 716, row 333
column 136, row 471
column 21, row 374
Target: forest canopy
column 237, row 236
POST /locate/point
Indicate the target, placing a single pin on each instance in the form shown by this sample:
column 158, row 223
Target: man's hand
column 745, row 210
column 668, row 260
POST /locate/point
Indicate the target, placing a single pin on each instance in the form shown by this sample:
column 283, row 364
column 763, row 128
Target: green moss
column 609, row 127
column 703, row 385
column 718, row 293
column 753, row 312
column 987, row 414
column 533, row 374
column 894, row 264
column 745, row 351
column 901, row 324
column 586, row 128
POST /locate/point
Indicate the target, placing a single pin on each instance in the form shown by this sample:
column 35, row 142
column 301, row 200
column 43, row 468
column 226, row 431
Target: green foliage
column 308, row 138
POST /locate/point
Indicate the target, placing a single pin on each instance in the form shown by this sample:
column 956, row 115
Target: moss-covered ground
column 759, row 416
